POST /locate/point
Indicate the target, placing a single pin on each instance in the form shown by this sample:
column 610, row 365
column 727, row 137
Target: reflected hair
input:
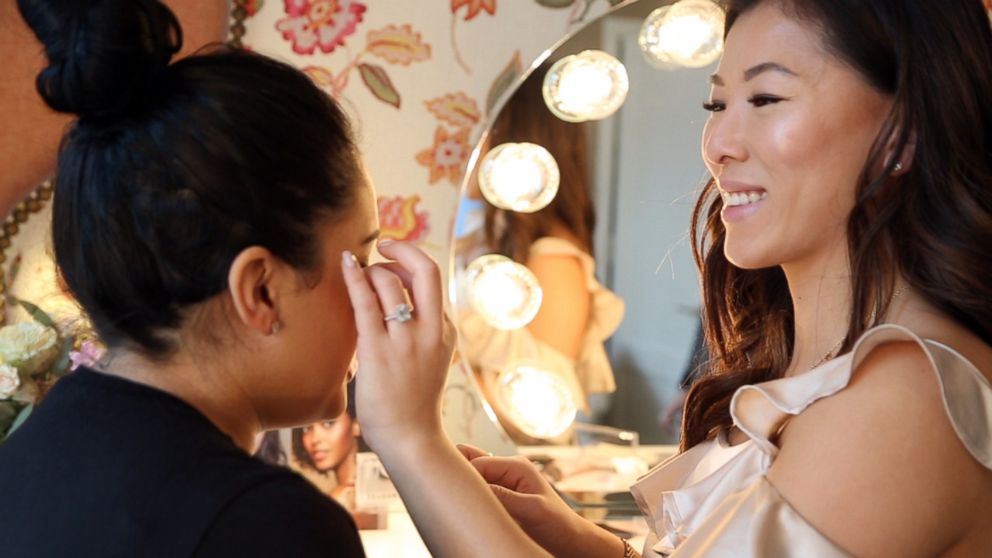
column 173, row 168
column 931, row 225
column 526, row 118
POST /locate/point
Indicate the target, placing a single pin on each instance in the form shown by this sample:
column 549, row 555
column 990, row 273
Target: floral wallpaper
column 421, row 80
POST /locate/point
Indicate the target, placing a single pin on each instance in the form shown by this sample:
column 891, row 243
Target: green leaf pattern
column 378, row 82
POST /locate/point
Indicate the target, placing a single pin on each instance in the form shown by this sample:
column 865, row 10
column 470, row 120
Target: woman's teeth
column 733, row 199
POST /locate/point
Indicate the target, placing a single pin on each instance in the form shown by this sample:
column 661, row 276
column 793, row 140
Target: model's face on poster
column 329, row 442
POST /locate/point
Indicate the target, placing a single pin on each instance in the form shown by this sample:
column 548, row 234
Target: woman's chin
column 746, row 257
column 334, row 406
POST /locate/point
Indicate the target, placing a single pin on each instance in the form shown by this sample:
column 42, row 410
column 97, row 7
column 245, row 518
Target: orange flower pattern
column 400, row 220
column 457, row 109
column 398, row 45
column 474, row 7
column 447, row 158
column 321, row 76
column 319, row 23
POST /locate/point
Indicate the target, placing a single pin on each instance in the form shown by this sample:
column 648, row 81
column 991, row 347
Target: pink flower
column 323, row 23
column 87, row 355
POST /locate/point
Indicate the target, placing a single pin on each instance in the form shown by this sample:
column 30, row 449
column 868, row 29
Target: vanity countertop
column 401, row 537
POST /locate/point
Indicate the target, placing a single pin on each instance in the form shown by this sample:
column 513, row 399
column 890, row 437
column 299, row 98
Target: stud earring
column 276, row 326
column 897, row 167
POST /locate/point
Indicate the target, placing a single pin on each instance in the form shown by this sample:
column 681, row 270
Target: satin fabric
column 716, row 500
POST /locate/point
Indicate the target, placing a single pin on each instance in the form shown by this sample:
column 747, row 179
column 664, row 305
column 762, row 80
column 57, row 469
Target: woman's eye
column 327, row 423
column 714, row 106
column 762, row 100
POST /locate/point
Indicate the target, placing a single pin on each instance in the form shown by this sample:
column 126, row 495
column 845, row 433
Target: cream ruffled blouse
column 715, row 499
column 491, row 349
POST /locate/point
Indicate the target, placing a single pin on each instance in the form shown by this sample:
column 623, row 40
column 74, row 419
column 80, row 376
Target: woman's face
column 318, row 335
column 789, row 134
column 329, row 442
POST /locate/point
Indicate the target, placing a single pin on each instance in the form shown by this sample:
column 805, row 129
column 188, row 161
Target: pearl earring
column 276, row 326
column 897, row 167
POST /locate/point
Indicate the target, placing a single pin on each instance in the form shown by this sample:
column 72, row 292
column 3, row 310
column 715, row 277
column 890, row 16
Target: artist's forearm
column 451, row 505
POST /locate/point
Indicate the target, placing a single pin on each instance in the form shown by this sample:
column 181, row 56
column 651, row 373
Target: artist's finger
column 365, row 302
column 421, row 276
column 392, row 296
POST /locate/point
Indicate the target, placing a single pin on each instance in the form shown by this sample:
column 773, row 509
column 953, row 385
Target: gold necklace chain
column 830, row 353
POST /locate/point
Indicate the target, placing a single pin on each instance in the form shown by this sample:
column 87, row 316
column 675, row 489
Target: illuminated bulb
column 521, row 177
column 539, row 402
column 504, row 293
column 650, row 41
column 589, row 85
column 688, row 33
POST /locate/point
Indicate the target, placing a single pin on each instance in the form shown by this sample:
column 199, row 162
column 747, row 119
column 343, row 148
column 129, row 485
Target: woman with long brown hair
column 845, row 244
column 577, row 312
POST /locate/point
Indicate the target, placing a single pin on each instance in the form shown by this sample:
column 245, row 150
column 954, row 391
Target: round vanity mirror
column 617, row 325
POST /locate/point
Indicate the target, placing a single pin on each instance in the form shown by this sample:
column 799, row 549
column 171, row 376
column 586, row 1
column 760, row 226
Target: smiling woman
column 786, row 144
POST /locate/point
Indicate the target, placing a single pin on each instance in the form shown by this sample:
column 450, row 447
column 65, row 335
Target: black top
column 107, row 467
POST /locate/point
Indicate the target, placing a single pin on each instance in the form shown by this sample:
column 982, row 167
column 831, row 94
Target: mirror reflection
column 606, row 261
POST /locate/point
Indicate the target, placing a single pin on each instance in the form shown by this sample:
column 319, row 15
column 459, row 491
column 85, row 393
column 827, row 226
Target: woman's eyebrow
column 753, row 72
column 371, row 237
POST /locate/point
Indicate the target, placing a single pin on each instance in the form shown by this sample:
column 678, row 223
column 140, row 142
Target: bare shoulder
column 556, row 264
column 565, row 305
column 878, row 468
column 957, row 337
column 559, row 274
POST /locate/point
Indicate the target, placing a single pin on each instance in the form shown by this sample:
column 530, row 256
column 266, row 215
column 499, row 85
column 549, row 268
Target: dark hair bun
column 103, row 55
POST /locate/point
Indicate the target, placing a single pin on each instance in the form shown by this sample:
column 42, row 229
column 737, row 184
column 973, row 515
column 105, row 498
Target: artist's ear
column 255, row 283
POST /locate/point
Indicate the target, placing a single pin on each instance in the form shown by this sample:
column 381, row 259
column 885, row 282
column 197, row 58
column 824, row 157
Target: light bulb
column 504, row 293
column 589, row 85
column 520, row 177
column 539, row 402
column 650, row 41
column 688, row 33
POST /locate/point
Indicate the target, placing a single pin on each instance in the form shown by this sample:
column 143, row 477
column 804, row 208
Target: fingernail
column 386, row 242
column 348, row 259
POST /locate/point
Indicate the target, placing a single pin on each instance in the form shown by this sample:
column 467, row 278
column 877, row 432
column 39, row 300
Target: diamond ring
column 401, row 313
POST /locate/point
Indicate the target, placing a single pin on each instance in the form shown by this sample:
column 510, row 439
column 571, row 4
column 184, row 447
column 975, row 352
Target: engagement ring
column 401, row 313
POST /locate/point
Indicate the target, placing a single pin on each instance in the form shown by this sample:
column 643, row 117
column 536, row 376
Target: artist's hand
column 402, row 365
column 529, row 498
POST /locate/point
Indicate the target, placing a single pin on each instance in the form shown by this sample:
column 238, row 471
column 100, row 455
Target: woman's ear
column 904, row 159
column 252, row 283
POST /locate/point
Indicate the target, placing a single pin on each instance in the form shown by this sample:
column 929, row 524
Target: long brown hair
column 526, row 118
column 931, row 225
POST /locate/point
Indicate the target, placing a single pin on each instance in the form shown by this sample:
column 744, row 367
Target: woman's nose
column 723, row 141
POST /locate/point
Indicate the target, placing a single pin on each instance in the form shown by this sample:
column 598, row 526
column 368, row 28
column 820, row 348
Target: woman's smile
column 740, row 200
